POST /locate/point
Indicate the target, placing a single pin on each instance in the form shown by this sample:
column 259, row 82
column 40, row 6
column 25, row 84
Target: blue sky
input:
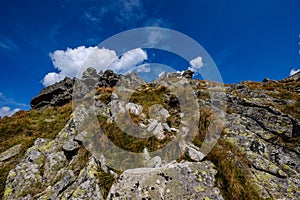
column 248, row 40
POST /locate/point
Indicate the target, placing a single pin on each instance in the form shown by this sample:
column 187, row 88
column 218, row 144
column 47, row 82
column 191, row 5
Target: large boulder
column 188, row 74
column 174, row 181
column 57, row 94
column 13, row 151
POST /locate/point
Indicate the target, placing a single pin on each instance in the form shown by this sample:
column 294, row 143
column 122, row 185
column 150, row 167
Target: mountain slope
column 256, row 156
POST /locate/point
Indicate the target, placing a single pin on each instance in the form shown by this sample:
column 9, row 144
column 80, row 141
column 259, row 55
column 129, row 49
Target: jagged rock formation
column 56, row 95
column 188, row 74
column 62, row 92
column 262, row 133
column 266, row 137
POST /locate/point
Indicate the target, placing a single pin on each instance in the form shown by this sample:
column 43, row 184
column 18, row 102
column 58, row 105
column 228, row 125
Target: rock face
column 191, row 180
column 50, row 169
column 56, row 95
column 268, row 137
column 188, row 74
column 262, row 124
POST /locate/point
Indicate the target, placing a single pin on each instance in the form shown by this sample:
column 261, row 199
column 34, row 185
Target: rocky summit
column 232, row 141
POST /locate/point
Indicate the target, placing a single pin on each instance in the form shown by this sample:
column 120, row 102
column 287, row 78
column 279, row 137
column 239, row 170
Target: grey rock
column 188, row 74
column 172, row 181
column 11, row 152
column 134, row 108
column 80, row 90
column 275, row 169
column 70, row 145
column 158, row 112
column 53, row 192
column 194, row 152
column 108, row 79
column 159, row 132
column 266, row 136
column 86, row 185
column 89, row 73
column 57, row 94
column 266, row 80
column 152, row 125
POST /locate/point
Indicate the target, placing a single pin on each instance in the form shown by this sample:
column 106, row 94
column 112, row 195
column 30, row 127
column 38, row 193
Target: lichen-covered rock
column 264, row 135
column 50, row 167
column 11, row 152
column 85, row 186
column 173, row 181
column 27, row 175
column 258, row 129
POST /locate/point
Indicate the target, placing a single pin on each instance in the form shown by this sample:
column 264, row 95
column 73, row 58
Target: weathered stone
column 56, row 95
column 255, row 127
column 134, row 108
column 70, row 145
column 158, row 112
column 172, row 181
column 273, row 166
column 188, row 74
column 86, row 185
column 89, row 73
column 11, row 152
column 194, row 152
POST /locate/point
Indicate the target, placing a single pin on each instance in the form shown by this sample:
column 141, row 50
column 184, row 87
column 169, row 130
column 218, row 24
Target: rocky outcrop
column 55, row 95
column 62, row 92
column 268, row 138
column 262, row 124
column 174, row 181
column 54, row 169
column 188, row 74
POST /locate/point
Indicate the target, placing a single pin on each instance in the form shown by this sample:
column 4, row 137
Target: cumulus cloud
column 294, row 71
column 7, row 111
column 73, row 62
column 143, row 68
column 196, row 64
column 129, row 59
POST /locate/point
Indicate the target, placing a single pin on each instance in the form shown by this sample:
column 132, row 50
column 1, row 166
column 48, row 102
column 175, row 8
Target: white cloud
column 7, row 111
column 129, row 59
column 52, row 78
column 294, row 71
column 154, row 38
column 7, row 44
column 143, row 68
column 196, row 64
column 73, row 62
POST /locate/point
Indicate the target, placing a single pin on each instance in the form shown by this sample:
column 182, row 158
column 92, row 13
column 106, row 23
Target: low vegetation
column 233, row 176
column 26, row 126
